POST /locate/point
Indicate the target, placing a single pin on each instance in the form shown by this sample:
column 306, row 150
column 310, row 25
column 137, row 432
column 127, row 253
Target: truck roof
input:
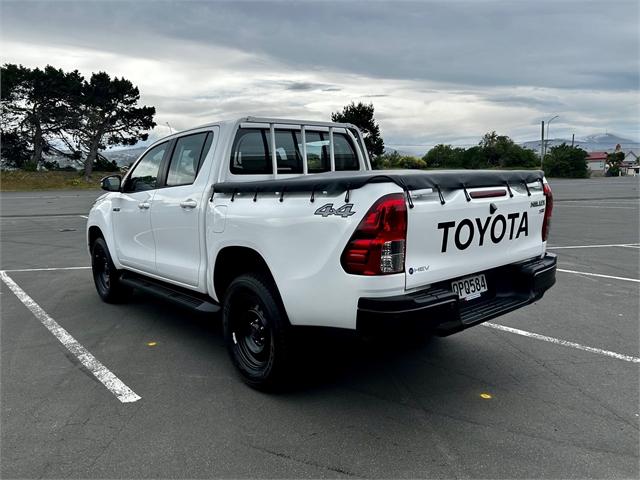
column 268, row 120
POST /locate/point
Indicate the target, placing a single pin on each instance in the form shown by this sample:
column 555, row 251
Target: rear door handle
column 144, row 205
column 189, row 203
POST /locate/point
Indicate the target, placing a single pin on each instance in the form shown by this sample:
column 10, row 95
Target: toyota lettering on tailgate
column 493, row 228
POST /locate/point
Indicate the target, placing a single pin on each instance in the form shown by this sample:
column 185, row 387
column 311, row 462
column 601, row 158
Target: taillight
column 377, row 246
column 548, row 209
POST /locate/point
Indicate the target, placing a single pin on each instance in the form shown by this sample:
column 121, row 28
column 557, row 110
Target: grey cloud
column 526, row 101
column 483, row 52
column 307, row 86
column 544, row 43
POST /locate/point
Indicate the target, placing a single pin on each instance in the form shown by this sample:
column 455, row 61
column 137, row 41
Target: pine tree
column 110, row 115
column 362, row 116
column 39, row 106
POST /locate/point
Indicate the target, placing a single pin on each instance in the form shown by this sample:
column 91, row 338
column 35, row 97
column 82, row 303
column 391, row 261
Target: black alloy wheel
column 105, row 275
column 256, row 330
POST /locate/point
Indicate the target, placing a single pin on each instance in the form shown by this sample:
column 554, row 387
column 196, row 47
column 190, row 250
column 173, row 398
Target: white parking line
column 91, row 363
column 589, row 274
column 564, row 343
column 84, row 216
column 597, row 246
column 51, row 269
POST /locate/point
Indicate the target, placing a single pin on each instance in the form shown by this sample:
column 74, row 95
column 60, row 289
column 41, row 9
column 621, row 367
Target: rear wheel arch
column 232, row 262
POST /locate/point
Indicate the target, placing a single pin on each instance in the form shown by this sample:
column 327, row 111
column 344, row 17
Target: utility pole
column 542, row 145
column 549, row 123
column 573, row 139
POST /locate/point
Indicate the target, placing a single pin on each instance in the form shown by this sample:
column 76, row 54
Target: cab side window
column 187, row 157
column 250, row 152
column 145, row 174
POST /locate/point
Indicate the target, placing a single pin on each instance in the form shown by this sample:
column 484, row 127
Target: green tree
column 474, row 158
column 396, row 161
column 15, row 149
column 362, row 116
column 444, row 156
column 566, row 161
column 39, row 104
column 614, row 163
column 110, row 115
column 500, row 151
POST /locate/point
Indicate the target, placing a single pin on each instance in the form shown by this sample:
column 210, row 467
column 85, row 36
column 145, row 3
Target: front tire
column 256, row 331
column 105, row 275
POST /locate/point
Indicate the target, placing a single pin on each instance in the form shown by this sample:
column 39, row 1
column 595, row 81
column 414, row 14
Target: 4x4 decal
column 327, row 210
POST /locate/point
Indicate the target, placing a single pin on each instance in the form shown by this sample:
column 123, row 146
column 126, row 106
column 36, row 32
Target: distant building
column 597, row 163
column 630, row 165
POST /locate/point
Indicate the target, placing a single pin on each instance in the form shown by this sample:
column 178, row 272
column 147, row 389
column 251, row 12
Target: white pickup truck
column 281, row 223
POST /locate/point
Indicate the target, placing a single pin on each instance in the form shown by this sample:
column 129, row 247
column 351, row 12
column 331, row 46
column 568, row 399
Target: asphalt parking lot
column 554, row 395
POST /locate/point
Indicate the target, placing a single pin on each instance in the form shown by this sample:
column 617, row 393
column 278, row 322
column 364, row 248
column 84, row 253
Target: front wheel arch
column 93, row 235
column 106, row 276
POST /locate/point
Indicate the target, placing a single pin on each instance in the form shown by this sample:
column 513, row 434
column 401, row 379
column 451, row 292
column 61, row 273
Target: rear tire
column 256, row 331
column 105, row 275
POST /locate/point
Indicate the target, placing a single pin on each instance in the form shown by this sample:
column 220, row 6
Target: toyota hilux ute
column 282, row 223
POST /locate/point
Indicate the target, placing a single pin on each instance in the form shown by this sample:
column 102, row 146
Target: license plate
column 470, row 287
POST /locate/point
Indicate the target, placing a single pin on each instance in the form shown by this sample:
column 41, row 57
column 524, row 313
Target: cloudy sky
column 436, row 71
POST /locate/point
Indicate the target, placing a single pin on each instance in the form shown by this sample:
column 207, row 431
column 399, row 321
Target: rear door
column 177, row 213
column 462, row 236
column 135, row 244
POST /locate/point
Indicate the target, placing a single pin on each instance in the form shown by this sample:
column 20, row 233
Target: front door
column 178, row 211
column 135, row 245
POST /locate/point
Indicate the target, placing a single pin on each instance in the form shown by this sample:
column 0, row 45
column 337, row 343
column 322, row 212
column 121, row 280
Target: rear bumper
column 510, row 287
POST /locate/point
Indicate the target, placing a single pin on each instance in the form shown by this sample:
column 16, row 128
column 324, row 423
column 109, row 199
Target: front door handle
column 144, row 205
column 189, row 203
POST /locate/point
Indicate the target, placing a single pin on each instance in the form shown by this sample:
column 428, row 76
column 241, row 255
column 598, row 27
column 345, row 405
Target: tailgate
column 473, row 231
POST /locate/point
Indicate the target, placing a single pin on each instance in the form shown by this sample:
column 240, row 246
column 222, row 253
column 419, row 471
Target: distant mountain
column 406, row 151
column 124, row 156
column 606, row 138
column 597, row 142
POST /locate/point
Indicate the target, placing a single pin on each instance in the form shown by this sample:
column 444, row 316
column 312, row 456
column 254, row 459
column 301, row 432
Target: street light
column 547, row 141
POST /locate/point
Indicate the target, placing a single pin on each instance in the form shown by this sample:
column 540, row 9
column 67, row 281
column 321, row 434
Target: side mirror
column 111, row 183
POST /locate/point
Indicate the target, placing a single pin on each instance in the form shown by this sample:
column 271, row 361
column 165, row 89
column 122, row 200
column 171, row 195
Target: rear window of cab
column 251, row 152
